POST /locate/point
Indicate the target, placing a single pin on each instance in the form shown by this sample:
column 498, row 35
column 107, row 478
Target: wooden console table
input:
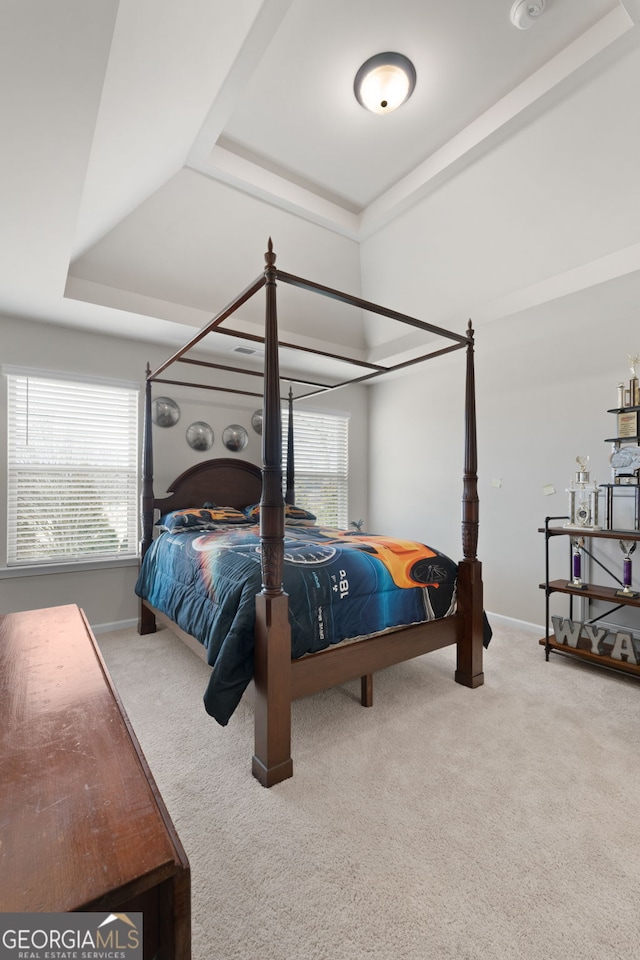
column 82, row 824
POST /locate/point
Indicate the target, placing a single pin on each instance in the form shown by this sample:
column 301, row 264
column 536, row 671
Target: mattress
column 341, row 586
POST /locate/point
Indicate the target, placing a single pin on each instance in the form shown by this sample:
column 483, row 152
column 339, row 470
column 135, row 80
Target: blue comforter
column 341, row 585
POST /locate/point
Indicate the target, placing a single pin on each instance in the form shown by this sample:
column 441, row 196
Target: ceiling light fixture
column 384, row 82
column 524, row 13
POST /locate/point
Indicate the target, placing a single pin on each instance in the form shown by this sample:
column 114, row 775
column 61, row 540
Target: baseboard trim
column 110, row 627
column 498, row 619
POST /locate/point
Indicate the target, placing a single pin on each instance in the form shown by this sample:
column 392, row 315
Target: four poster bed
column 295, row 606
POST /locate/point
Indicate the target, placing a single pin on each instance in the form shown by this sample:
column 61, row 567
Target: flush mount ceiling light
column 524, row 13
column 384, row 82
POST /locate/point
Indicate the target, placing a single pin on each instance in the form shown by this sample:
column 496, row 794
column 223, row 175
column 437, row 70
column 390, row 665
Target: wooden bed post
column 290, row 493
column 469, row 647
column 146, row 619
column 272, row 669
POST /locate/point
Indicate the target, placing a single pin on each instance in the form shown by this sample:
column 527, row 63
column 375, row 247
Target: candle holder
column 627, row 547
column 576, row 582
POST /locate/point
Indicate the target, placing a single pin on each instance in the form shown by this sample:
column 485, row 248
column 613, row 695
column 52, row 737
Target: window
column 72, row 470
column 321, row 464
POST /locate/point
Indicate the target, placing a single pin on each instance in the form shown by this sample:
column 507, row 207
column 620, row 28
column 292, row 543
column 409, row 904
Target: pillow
column 296, row 516
column 225, row 514
column 199, row 518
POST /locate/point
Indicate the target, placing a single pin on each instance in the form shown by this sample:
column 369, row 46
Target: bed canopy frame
column 277, row 678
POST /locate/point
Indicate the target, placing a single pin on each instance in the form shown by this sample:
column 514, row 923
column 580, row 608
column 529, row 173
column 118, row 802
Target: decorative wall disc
column 165, row 412
column 199, row 435
column 256, row 421
column 235, row 437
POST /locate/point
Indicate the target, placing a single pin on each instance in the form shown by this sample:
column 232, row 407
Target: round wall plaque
column 165, row 412
column 235, row 437
column 199, row 435
column 256, row 421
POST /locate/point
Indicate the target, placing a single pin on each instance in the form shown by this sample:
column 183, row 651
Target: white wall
column 107, row 595
column 490, row 241
column 542, row 400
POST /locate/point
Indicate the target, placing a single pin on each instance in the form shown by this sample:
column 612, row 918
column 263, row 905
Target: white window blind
column 321, row 447
column 72, row 470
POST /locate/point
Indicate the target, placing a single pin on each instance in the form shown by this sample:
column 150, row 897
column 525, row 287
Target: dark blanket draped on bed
column 341, row 585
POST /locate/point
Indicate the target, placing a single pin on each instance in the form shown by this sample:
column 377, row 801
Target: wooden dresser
column 82, row 824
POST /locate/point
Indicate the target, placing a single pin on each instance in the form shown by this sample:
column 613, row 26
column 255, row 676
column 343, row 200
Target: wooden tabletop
column 80, row 815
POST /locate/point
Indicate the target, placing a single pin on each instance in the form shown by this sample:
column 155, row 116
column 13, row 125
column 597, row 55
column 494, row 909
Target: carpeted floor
column 442, row 824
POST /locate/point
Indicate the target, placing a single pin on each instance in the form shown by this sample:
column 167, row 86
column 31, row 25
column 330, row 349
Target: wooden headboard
column 225, row 481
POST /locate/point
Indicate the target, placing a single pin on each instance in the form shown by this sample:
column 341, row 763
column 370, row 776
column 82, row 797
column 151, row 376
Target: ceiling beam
column 583, row 53
column 632, row 8
column 256, row 42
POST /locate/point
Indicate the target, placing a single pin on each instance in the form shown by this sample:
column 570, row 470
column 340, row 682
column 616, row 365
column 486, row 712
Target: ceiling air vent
column 248, row 351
